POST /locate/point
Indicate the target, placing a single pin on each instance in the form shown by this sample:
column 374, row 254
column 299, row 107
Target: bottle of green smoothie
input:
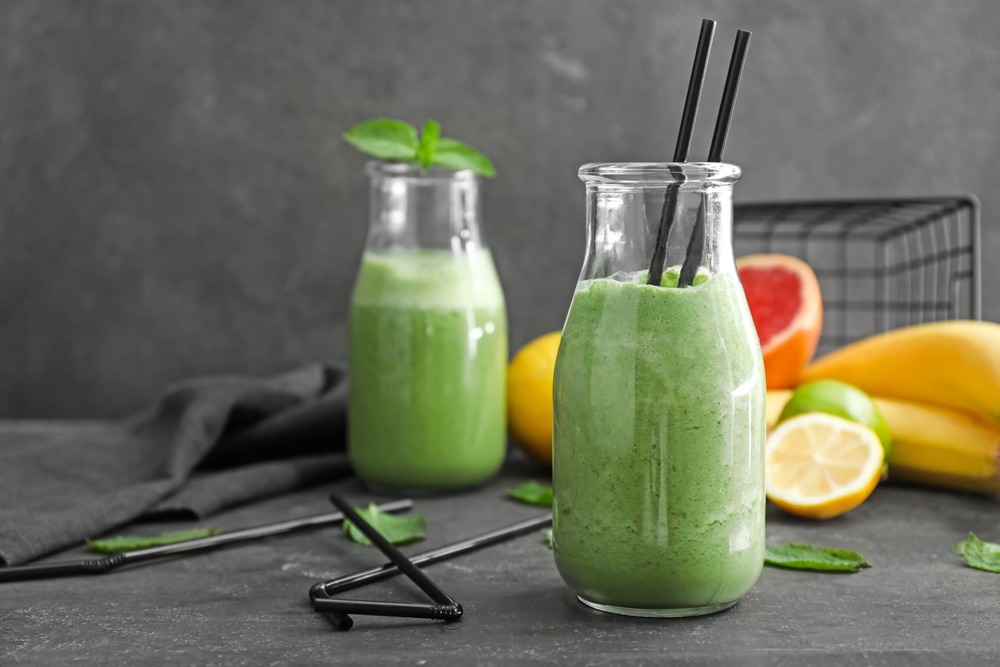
column 428, row 337
column 659, row 401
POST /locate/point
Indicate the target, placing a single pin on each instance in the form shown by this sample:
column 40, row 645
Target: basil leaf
column 396, row 529
column 428, row 142
column 456, row 155
column 819, row 559
column 979, row 554
column 384, row 138
column 532, row 493
column 113, row 545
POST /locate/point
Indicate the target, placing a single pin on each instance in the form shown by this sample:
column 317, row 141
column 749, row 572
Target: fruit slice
column 529, row 396
column 820, row 466
column 840, row 400
column 787, row 311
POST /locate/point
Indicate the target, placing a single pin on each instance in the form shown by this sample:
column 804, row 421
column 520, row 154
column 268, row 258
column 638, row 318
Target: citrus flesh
column 820, row 466
column 841, row 400
column 529, row 396
column 787, row 309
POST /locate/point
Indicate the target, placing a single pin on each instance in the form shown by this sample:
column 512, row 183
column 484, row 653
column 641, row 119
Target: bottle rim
column 414, row 172
column 659, row 173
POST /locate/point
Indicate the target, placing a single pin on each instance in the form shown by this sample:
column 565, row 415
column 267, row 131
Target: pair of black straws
column 695, row 246
column 443, row 607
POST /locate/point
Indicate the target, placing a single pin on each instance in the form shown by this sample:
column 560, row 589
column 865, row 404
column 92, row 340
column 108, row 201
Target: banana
column 941, row 447
column 954, row 364
column 932, row 445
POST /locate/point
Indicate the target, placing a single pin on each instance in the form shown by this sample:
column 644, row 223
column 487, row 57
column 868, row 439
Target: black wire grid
column 881, row 264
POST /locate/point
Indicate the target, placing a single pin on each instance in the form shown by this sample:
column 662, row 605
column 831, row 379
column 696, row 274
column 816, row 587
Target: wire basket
column 881, row 264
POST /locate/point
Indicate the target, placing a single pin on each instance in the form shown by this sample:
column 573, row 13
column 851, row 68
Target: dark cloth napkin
column 206, row 444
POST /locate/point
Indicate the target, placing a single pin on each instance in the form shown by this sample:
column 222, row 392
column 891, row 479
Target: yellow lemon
column 819, row 466
column 529, row 396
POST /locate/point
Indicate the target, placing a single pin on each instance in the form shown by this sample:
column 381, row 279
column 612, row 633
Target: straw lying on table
column 108, row 563
column 337, row 609
column 695, row 246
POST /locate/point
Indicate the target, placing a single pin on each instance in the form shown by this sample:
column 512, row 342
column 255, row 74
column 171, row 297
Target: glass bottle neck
column 685, row 210
column 415, row 209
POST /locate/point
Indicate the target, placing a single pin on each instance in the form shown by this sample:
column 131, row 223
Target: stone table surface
column 248, row 604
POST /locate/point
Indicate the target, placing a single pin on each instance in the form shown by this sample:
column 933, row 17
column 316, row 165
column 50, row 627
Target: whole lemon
column 529, row 396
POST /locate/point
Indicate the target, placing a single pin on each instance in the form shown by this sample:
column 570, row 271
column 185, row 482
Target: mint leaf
column 548, row 537
column 384, row 138
column 820, row 559
column 114, row 545
column 396, row 529
column 979, row 554
column 456, row 155
column 532, row 493
column 428, row 141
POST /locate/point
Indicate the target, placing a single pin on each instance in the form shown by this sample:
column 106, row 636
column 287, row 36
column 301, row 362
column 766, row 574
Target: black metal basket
column 881, row 264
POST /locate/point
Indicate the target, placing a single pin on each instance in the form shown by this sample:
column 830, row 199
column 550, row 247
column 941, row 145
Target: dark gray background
column 175, row 198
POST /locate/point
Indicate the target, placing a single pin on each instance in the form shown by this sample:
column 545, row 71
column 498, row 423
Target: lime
column 841, row 400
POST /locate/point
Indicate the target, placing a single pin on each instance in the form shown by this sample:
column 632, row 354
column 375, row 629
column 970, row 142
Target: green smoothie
column 658, row 439
column 428, row 357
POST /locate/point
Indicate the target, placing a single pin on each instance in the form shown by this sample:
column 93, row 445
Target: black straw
column 696, row 246
column 108, row 563
column 321, row 593
column 729, row 95
column 693, row 98
column 445, row 608
column 691, row 103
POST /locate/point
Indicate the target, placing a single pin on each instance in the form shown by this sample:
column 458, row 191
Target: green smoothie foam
column 428, row 356
column 658, row 438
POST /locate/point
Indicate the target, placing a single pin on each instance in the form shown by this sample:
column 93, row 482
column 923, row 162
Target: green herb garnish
column 396, row 529
column 820, row 559
column 979, row 554
column 397, row 140
column 114, row 545
column 532, row 493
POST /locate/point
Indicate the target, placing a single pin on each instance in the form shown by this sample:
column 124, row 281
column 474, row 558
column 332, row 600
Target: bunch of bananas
column 938, row 386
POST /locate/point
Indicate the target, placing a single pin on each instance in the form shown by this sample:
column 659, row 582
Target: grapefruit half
column 787, row 311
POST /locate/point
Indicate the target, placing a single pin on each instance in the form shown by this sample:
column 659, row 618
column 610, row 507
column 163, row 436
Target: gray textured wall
column 175, row 198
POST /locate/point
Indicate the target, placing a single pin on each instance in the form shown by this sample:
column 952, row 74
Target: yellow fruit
column 820, row 466
column 529, row 396
column 942, row 447
column 931, row 445
column 776, row 399
column 953, row 364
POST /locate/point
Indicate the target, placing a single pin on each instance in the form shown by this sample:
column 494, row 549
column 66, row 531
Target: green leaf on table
column 113, row 545
column 396, row 529
column 548, row 538
column 532, row 493
column 819, row 559
column 456, row 155
column 428, row 142
column 385, row 138
column 979, row 554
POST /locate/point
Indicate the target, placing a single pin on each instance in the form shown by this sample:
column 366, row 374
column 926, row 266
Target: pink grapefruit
column 787, row 311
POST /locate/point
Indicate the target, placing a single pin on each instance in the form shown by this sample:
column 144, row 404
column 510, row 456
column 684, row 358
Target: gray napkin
column 205, row 445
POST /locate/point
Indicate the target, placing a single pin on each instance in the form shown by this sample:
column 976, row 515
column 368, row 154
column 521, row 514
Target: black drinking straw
column 729, row 95
column 115, row 561
column 321, row 593
column 681, row 149
column 445, row 608
column 696, row 245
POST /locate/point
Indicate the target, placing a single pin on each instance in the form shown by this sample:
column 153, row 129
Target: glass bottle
column 428, row 337
column 659, row 411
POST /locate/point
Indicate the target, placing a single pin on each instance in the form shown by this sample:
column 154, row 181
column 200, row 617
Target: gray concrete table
column 248, row 605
